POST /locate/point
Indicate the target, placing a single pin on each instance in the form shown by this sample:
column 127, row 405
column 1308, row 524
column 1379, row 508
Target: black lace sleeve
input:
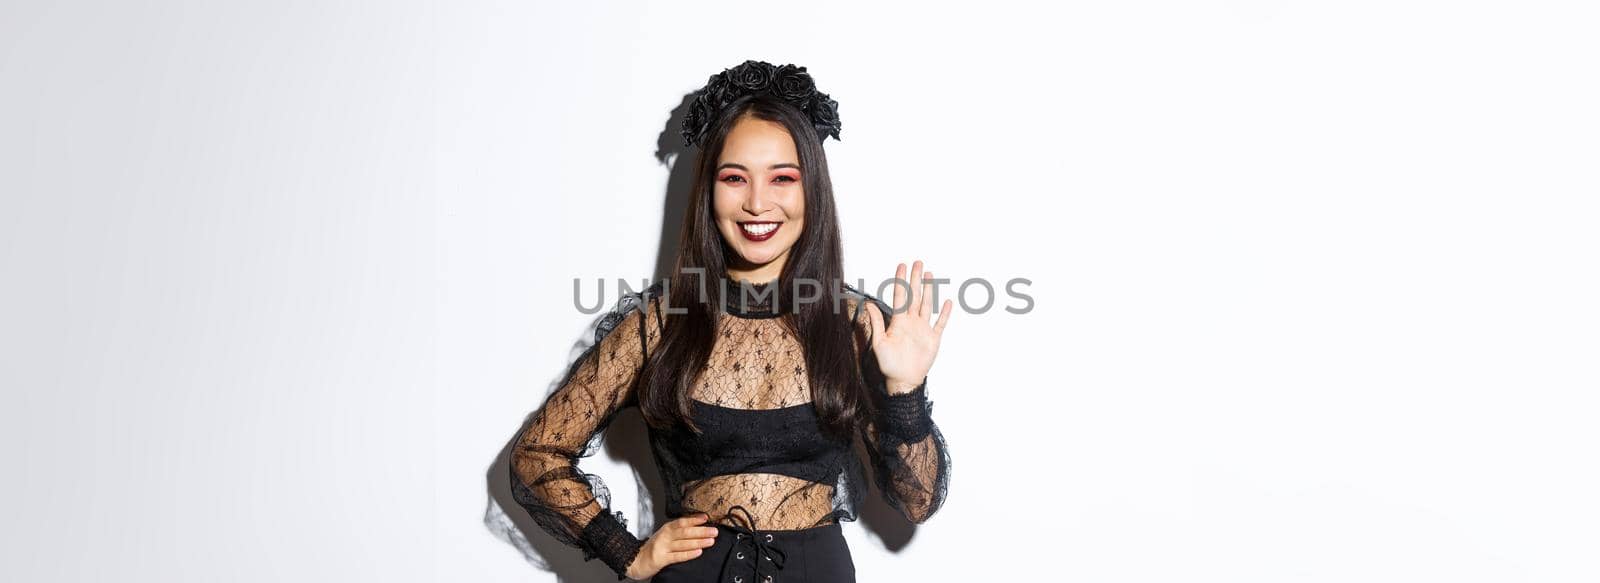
column 573, row 506
column 909, row 457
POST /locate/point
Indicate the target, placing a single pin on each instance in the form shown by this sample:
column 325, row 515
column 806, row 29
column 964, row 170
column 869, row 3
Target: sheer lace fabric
column 761, row 447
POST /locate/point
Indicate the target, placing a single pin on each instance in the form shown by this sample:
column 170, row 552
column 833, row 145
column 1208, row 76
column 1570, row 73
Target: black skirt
column 809, row 555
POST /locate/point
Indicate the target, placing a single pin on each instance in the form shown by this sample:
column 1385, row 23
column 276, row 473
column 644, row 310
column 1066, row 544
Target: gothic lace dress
column 761, row 457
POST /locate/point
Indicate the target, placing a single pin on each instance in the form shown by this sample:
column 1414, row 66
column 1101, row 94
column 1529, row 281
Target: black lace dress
column 761, row 451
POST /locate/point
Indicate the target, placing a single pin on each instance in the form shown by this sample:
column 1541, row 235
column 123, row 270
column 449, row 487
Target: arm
column 574, row 507
column 908, row 453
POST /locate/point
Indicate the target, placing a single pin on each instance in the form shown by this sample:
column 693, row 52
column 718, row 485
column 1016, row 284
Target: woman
column 753, row 369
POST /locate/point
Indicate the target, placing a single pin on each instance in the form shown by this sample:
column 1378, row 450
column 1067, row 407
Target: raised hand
column 906, row 349
column 675, row 542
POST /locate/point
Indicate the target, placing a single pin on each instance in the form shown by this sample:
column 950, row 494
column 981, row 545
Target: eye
column 785, row 178
column 733, row 177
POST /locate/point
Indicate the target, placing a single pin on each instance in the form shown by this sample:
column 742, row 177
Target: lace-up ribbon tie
column 755, row 544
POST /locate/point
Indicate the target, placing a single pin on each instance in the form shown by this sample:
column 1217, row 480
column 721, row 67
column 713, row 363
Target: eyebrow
column 772, row 167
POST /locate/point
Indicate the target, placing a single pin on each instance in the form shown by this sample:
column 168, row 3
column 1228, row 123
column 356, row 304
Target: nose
column 756, row 202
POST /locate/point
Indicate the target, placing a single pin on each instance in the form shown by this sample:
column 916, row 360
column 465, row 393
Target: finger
column 695, row 519
column 927, row 294
column 899, row 290
column 689, row 544
column 944, row 318
column 681, row 556
column 875, row 318
column 916, row 288
column 691, row 527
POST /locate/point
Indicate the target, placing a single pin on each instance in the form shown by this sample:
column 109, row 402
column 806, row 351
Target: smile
column 759, row 230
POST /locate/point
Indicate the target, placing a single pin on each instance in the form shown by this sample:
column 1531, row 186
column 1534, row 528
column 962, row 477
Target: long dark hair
column 825, row 333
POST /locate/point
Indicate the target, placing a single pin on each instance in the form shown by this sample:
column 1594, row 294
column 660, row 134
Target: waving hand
column 906, row 349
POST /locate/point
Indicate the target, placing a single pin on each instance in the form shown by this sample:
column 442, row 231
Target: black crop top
column 761, row 446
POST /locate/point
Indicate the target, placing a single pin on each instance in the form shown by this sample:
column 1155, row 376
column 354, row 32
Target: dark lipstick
column 762, row 237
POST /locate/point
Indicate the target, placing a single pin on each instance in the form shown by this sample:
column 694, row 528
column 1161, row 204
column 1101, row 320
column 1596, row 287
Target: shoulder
column 856, row 302
column 635, row 312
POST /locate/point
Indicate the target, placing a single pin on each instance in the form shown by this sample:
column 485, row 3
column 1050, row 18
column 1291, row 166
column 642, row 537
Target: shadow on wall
column 627, row 438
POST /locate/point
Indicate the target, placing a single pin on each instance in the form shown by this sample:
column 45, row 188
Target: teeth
column 759, row 229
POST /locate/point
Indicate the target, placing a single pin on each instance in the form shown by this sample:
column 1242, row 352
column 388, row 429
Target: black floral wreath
column 787, row 82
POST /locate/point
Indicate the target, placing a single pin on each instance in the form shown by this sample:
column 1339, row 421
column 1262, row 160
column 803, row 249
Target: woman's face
column 758, row 200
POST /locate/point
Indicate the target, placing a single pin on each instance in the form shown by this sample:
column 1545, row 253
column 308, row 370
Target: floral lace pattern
column 761, row 446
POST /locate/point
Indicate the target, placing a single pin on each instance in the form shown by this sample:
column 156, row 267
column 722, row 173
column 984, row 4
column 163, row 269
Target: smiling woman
column 753, row 407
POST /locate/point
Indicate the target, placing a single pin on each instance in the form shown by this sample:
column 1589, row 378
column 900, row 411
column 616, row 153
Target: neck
column 747, row 294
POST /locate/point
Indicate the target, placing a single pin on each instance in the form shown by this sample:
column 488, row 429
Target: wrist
column 902, row 387
column 636, row 567
column 607, row 538
column 908, row 416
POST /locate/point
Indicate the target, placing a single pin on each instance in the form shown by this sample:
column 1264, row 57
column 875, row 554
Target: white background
column 1314, row 282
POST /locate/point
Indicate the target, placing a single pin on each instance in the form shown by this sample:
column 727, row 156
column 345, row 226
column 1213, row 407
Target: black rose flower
column 752, row 76
column 793, row 84
column 720, row 93
column 825, row 115
column 696, row 120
